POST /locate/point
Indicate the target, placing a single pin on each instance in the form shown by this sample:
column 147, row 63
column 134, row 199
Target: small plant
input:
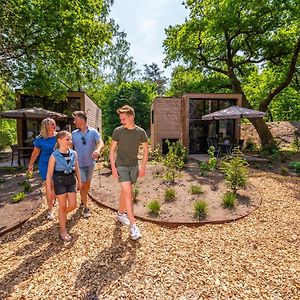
column 105, row 153
column 18, row 197
column 27, row 187
column 229, row 199
column 200, row 209
column 29, row 175
column 135, row 192
column 250, row 145
column 154, row 207
column 203, row 168
column 295, row 165
column 170, row 194
column 212, row 161
column 196, row 190
column 296, row 143
column 284, row 171
column 235, row 169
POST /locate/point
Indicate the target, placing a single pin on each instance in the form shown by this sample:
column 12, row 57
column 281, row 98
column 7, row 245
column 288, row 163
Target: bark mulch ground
column 254, row 258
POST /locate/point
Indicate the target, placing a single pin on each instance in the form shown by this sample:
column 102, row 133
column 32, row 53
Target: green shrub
column 200, row 209
column 295, row 165
column 196, row 189
column 296, row 143
column 212, row 161
column 18, row 197
column 170, row 194
column 27, row 187
column 284, row 171
column 135, row 192
column 105, row 153
column 8, row 133
column 229, row 199
column 154, row 207
column 250, row 145
column 29, row 175
column 203, row 168
column 155, row 155
column 235, row 169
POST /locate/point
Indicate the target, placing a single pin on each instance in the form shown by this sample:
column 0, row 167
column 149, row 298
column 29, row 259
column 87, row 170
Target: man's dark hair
column 80, row 114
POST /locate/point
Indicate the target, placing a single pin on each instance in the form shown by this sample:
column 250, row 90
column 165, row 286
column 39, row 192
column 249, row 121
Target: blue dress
column 46, row 145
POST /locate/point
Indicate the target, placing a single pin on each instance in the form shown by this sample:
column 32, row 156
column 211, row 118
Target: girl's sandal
column 65, row 237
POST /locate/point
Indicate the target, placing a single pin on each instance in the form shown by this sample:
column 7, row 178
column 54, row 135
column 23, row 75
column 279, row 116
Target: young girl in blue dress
column 43, row 148
column 64, row 171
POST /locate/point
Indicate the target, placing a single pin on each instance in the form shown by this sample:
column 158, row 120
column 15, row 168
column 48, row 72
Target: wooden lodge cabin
column 74, row 101
column 176, row 119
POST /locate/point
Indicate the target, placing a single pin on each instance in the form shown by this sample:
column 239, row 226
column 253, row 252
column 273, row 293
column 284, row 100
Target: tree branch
column 265, row 103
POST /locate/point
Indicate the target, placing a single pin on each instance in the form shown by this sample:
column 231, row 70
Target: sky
column 144, row 22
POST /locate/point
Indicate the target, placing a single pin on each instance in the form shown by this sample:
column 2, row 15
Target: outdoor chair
column 213, row 142
column 14, row 150
column 239, row 144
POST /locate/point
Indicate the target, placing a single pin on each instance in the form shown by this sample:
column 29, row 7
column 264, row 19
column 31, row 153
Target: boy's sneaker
column 86, row 213
column 50, row 215
column 135, row 232
column 123, row 218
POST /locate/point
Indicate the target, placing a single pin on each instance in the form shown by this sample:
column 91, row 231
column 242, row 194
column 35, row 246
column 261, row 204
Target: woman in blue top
column 43, row 148
column 63, row 170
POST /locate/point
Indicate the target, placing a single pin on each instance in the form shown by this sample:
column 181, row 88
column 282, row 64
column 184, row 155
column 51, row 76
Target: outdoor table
column 225, row 148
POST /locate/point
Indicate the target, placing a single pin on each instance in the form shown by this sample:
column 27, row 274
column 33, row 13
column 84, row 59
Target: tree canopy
column 235, row 37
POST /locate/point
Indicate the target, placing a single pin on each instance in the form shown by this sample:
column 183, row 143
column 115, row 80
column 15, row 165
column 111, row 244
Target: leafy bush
column 105, row 153
column 296, row 143
column 212, row 161
column 180, row 151
column 200, row 209
column 203, row 168
column 173, row 162
column 284, row 171
column 229, row 199
column 155, row 156
column 295, row 165
column 18, row 197
column 196, row 190
column 29, row 175
column 250, row 145
column 154, row 207
column 235, row 169
column 135, row 192
column 170, row 194
column 8, row 133
column 27, row 187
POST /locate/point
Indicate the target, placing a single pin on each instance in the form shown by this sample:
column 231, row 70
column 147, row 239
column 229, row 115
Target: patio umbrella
column 32, row 113
column 234, row 112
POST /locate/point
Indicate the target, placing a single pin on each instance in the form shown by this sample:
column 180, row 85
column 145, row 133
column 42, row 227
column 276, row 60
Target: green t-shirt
column 128, row 141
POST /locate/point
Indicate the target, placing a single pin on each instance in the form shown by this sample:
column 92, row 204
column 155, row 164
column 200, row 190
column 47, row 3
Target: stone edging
column 170, row 224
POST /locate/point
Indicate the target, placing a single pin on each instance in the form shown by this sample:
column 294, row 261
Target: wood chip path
column 255, row 258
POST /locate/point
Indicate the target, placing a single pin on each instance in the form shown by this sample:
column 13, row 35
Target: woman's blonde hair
column 44, row 127
column 60, row 135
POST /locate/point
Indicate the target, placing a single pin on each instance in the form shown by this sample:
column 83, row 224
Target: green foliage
column 271, row 150
column 180, row 151
column 170, row 194
column 200, row 209
column 212, row 161
column 196, row 189
column 284, row 171
column 135, row 192
column 18, row 197
column 235, row 169
column 203, row 168
column 29, row 175
column 295, row 165
column 173, row 162
column 155, row 156
column 229, row 199
column 154, row 207
column 105, row 153
column 250, row 145
column 136, row 94
column 296, row 143
column 8, row 133
column 27, row 187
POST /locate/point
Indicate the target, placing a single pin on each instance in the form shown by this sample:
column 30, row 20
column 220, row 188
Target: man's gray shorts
column 128, row 173
column 86, row 173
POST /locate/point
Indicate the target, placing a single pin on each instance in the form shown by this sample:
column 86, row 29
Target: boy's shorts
column 86, row 173
column 128, row 173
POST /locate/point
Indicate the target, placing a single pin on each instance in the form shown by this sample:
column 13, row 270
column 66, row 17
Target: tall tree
column 153, row 74
column 59, row 34
column 231, row 36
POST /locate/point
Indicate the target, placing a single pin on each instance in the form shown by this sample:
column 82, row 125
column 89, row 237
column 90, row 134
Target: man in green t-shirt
column 126, row 140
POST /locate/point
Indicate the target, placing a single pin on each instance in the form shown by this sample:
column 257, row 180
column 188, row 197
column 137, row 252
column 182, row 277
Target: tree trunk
column 263, row 131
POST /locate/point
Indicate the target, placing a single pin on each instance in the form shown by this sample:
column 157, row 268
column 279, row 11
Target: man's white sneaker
column 135, row 232
column 123, row 219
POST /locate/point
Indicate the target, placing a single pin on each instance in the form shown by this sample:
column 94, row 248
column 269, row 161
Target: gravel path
column 254, row 258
